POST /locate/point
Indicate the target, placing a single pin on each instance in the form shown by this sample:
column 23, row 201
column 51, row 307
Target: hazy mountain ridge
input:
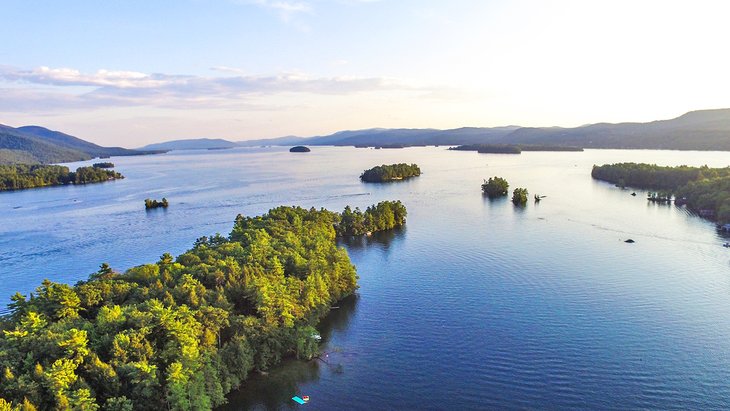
column 278, row 141
column 695, row 130
column 191, row 144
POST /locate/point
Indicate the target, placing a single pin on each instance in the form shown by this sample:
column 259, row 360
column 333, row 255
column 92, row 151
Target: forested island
column 495, row 187
column 22, row 176
column 511, row 148
column 704, row 190
column 519, row 196
column 385, row 215
column 152, row 204
column 392, row 172
column 181, row 333
column 103, row 165
column 299, row 149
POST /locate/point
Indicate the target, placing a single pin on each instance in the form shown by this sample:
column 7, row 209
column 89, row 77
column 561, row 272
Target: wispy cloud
column 106, row 88
column 287, row 10
column 71, row 77
column 285, row 6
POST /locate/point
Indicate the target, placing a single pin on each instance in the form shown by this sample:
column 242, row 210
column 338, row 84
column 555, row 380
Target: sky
column 132, row 72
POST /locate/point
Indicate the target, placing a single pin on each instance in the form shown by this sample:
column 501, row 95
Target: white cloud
column 48, row 88
column 67, row 76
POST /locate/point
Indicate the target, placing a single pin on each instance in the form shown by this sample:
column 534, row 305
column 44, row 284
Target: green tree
column 495, row 187
column 519, row 196
column 181, row 333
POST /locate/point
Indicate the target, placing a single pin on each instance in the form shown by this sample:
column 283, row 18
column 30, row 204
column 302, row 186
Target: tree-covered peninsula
column 392, row 172
column 704, row 190
column 181, row 333
column 22, row 176
column 512, row 148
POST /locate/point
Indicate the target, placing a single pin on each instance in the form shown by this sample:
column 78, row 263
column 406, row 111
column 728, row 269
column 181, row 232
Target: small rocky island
column 299, row 149
column 152, row 204
column 392, row 172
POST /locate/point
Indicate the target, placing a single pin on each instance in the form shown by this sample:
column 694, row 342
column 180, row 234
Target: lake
column 475, row 304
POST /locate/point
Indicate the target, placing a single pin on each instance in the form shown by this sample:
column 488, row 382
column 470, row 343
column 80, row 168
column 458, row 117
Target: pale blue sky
column 132, row 72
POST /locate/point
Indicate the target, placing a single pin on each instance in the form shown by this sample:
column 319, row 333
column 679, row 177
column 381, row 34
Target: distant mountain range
column 696, row 130
column 412, row 137
column 33, row 144
column 278, row 141
column 192, row 144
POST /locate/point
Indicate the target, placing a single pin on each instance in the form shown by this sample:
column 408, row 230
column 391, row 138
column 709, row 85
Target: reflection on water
column 273, row 390
column 381, row 239
column 338, row 318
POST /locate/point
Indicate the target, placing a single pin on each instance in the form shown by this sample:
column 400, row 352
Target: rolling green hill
column 75, row 143
column 17, row 145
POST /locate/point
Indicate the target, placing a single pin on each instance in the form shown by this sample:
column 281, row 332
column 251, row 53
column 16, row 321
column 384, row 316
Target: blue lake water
column 475, row 304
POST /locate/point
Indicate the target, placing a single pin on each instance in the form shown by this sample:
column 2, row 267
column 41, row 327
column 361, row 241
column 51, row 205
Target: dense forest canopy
column 390, row 172
column 181, row 333
column 103, row 165
column 702, row 189
column 21, row 176
column 495, row 187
